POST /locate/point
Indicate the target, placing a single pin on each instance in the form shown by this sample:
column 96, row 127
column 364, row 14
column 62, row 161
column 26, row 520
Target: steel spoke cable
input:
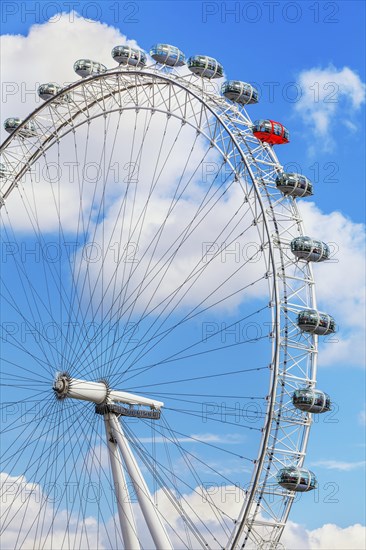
column 121, row 335
column 203, row 301
column 42, row 380
column 146, row 459
column 57, row 203
column 174, row 483
column 75, row 456
column 194, row 344
column 10, row 300
column 143, row 452
column 86, row 284
column 122, row 291
column 169, row 247
column 79, row 292
column 185, row 235
column 203, row 377
column 219, row 514
column 37, row 299
column 74, row 294
column 197, row 275
column 147, row 269
column 229, row 411
column 189, row 317
column 31, row 439
column 198, row 414
column 22, row 274
column 8, row 511
column 44, row 364
column 125, row 285
column 122, row 205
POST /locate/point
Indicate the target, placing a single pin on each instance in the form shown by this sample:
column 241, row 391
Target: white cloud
column 340, row 465
column 329, row 95
column 47, row 54
column 340, row 283
column 229, row 498
column 29, row 506
column 329, row 536
column 29, row 520
column 337, row 538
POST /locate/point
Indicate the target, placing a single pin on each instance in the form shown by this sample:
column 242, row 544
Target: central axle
column 111, row 405
column 98, row 393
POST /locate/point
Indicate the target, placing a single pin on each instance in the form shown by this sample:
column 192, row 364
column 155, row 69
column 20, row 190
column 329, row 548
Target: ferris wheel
column 159, row 333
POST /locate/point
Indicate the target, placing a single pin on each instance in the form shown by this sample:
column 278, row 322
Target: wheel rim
column 238, row 159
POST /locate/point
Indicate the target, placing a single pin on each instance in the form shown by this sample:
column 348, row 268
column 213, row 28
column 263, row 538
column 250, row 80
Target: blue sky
column 308, row 61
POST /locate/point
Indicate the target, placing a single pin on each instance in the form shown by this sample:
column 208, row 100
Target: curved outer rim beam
column 288, row 501
column 82, row 82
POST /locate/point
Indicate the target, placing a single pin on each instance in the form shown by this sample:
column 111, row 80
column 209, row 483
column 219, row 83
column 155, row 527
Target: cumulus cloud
column 329, row 95
column 202, row 505
column 30, row 520
column 47, row 54
column 328, row 536
column 38, row 523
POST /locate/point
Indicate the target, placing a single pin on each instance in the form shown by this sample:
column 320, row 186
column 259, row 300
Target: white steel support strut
column 148, row 508
column 125, row 512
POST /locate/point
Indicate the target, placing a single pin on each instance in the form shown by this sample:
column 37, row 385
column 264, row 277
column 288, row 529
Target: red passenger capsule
column 271, row 132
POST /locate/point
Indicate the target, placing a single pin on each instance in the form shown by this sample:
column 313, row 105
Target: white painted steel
column 98, row 392
column 125, row 512
column 148, row 508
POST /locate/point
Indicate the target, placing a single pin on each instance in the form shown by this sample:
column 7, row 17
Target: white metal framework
column 168, row 285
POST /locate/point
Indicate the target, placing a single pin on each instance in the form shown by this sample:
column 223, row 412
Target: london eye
column 160, row 350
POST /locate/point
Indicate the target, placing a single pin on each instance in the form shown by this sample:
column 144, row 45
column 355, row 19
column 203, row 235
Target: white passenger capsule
column 295, row 185
column 311, row 250
column 51, row 90
column 11, row 124
column 311, row 400
column 297, row 479
column 240, row 92
column 206, row 67
column 315, row 322
column 125, row 55
column 165, row 54
column 87, row 67
column 26, row 131
column 48, row 90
